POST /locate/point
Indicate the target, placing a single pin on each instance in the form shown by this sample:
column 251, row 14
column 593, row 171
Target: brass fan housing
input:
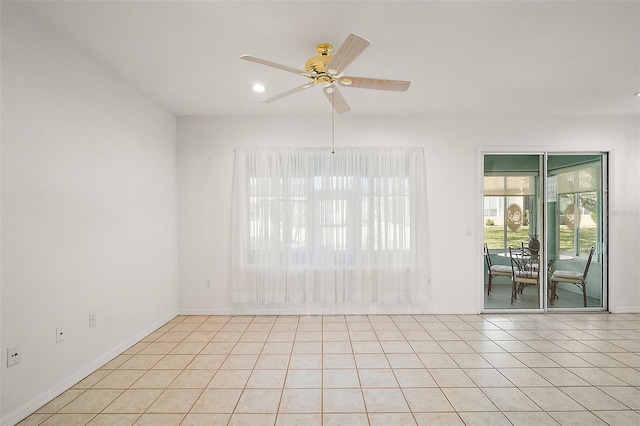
column 316, row 64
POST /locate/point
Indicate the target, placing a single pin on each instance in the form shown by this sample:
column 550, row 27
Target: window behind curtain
column 311, row 226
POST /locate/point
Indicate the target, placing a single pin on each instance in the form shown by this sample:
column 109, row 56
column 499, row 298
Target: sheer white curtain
column 312, row 226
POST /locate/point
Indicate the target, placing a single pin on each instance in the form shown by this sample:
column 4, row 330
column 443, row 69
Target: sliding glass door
column 551, row 208
column 513, row 213
column 576, row 230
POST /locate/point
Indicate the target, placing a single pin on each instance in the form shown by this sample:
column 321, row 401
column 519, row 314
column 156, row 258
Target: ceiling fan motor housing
column 318, row 63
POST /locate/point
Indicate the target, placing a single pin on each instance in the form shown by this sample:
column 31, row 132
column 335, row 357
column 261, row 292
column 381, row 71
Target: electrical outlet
column 92, row 320
column 59, row 334
column 13, row 356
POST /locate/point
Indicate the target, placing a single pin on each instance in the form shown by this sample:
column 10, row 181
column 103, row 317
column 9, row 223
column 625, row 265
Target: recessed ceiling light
column 258, row 88
column 637, row 94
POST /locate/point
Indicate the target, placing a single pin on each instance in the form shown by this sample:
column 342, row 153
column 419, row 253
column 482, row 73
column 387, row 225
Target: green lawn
column 493, row 236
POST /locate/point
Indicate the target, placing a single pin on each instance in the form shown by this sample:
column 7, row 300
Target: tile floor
column 567, row 369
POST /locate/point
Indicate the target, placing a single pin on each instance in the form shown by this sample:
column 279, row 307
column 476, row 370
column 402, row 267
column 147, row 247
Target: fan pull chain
column 333, row 124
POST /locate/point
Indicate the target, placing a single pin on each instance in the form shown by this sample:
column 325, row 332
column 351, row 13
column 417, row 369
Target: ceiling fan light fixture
column 346, row 81
column 637, row 94
column 258, row 88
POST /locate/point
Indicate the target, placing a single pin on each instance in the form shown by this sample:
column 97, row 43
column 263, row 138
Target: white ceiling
column 478, row 57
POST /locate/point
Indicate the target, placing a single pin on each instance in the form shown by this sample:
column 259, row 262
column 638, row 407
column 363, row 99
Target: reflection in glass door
column 512, row 225
column 576, row 231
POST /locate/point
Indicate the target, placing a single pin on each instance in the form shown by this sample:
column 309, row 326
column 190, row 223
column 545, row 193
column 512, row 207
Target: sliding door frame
column 602, row 249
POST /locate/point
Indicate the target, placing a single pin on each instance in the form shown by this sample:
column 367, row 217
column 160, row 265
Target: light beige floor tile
column 272, row 362
column 248, row 348
column 377, row 378
column 426, row 347
column 259, row 401
column 217, row 401
column 560, row 377
column 337, row 348
column 397, row 347
column 91, row 401
column 484, row 419
column 523, row 377
column 439, row 419
column 340, row 378
column 304, row 379
column 503, row 360
column 277, row 348
column 450, row 377
column 68, row 420
column 347, row 419
column 91, row 379
column 133, row 401
column 173, row 336
column 487, row 377
column 427, row 400
column 510, row 399
column 404, row 361
column 366, row 347
column 301, row 401
column 628, row 375
column 295, row 419
column 336, row 361
column 619, row 417
column 155, row 379
column 371, row 361
column 116, row 362
column 158, row 348
column 386, row 419
column 335, row 336
column 597, row 359
column 60, row 401
column 153, row 419
column 414, row 378
column 469, row 399
column 552, row 399
column 200, row 336
column 464, row 360
column 307, row 348
column 597, row 377
column 175, row 401
column 456, row 347
column 577, row 418
column 530, row 419
column 197, row 419
column 192, row 379
column 566, row 359
column 114, row 420
column 217, row 348
column 34, row 419
column 385, row 400
column 229, row 379
column 532, row 360
column 266, row 379
column 592, row 398
column 141, row 362
column 209, row 362
column 174, row 362
column 629, row 396
column 343, row 401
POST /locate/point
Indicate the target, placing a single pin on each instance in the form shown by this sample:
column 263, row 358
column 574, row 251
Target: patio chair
column 494, row 270
column 525, row 269
column 578, row 279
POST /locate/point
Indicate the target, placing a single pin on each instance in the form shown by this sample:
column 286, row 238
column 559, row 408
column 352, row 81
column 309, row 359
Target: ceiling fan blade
column 350, row 49
column 289, row 92
column 337, row 100
column 274, row 65
column 374, row 83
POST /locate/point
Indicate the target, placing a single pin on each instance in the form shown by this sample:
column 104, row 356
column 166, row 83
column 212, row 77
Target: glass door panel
column 513, row 213
column 576, row 222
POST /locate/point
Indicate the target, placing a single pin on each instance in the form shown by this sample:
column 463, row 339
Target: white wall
column 89, row 215
column 452, row 148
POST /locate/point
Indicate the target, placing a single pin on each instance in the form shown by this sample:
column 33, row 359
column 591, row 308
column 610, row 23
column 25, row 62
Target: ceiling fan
column 327, row 70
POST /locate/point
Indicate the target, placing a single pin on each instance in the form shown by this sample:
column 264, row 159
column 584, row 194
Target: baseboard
column 27, row 409
column 254, row 309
